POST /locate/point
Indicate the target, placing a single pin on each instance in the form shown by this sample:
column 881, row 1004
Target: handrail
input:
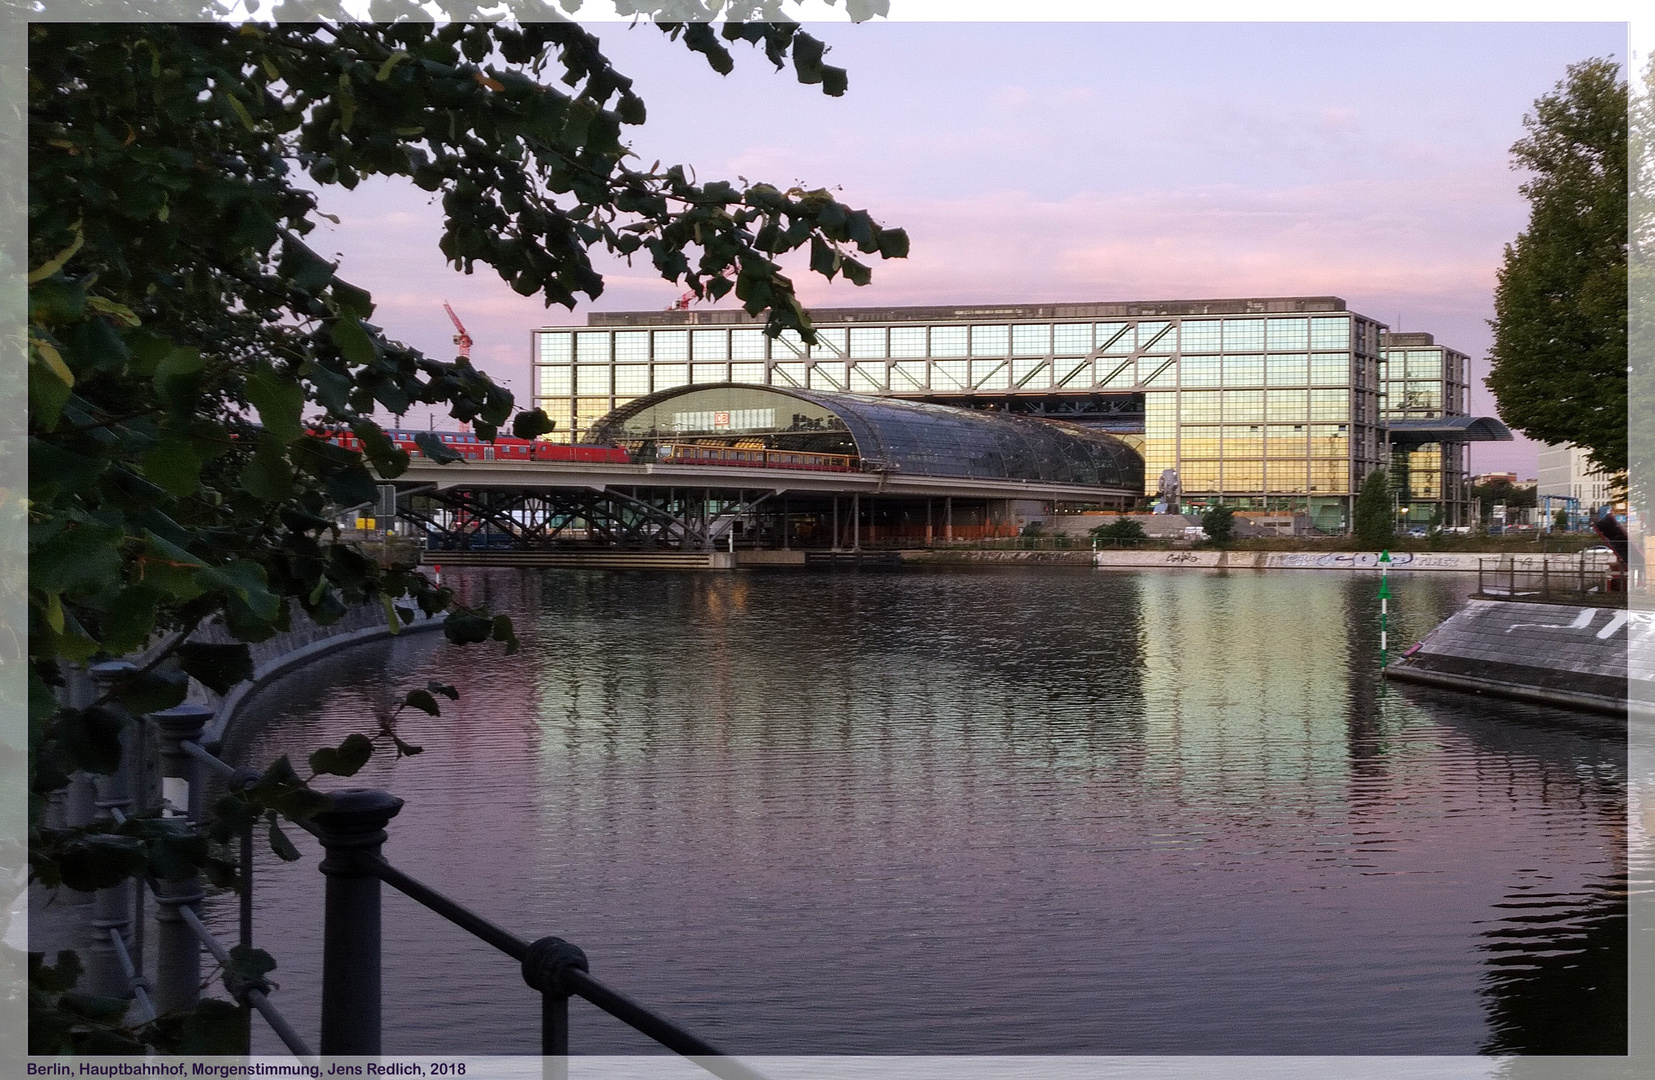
column 458, row 914
column 255, row 997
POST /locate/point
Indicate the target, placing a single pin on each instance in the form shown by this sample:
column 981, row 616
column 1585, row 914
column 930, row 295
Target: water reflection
column 1040, row 810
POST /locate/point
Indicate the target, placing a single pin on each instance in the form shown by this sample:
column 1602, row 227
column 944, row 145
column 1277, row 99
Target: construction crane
column 462, row 340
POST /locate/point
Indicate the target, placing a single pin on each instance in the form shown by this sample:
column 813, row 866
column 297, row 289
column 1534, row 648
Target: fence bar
column 133, row 979
column 177, row 952
column 352, row 833
column 209, row 759
column 112, row 908
column 255, row 997
column 456, row 913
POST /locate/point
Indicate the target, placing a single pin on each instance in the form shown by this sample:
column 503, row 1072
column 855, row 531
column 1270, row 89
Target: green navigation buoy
column 1384, row 603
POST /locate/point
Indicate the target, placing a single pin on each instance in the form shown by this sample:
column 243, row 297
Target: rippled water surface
column 1034, row 810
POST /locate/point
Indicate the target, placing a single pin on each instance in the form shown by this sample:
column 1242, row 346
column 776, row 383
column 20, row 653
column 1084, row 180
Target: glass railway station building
column 1265, row 404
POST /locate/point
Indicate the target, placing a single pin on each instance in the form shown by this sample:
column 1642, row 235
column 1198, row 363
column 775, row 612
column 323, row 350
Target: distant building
column 1269, row 404
column 1565, row 473
column 1426, row 381
column 1486, row 478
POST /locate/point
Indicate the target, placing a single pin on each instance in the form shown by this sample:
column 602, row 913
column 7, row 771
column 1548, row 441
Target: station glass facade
column 1425, row 380
column 1267, row 403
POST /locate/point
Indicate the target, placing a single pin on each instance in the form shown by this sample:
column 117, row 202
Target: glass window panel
column 1244, row 371
column 1243, row 476
column 592, row 380
column 1200, row 440
column 1201, row 371
column 949, row 374
column 1199, row 476
column 672, row 344
column 1287, row 404
column 1159, row 336
column 789, row 344
column 1246, row 406
column 948, row 341
column 555, row 380
column 990, row 341
column 592, row 348
column 588, row 411
column 557, row 346
column 1244, row 440
column 1031, row 374
column 1113, row 373
column 746, row 373
column 1202, row 335
column 991, row 374
column 1287, row 334
column 1241, row 335
column 668, row 376
column 1424, row 365
column 632, row 345
column 710, row 345
column 1160, row 372
column 1330, row 333
column 789, row 374
column 1287, row 370
column 907, row 377
column 1072, row 338
column 833, row 340
column 1329, row 440
column 747, row 344
column 867, row 341
column 1329, row 478
column 1201, row 405
column 1418, row 396
column 1116, row 338
column 631, row 379
column 1330, row 369
column 1329, row 405
column 1078, row 373
column 1285, row 476
column 907, row 341
column 867, row 378
column 709, row 373
column 828, row 376
column 1031, row 340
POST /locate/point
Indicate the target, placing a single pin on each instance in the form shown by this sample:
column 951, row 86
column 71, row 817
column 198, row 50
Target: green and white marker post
column 1384, row 603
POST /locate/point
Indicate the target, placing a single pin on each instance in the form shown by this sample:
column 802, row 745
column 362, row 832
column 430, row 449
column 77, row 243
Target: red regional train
column 504, row 448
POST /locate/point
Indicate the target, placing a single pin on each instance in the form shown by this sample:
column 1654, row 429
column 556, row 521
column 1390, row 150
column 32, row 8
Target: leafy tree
column 188, row 350
column 1502, row 492
column 1122, row 529
column 1560, row 520
column 1559, row 369
column 1218, row 522
column 1641, row 294
column 1373, row 522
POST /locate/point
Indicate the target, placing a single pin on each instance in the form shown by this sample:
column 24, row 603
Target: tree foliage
column 1219, row 522
column 188, row 350
column 1373, row 521
column 1121, row 529
column 1559, row 360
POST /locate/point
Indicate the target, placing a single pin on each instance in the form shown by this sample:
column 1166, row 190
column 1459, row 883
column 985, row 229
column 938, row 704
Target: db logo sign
column 721, row 419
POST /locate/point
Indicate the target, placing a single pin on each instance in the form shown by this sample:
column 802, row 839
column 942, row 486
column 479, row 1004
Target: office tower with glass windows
column 1426, row 381
column 1267, row 403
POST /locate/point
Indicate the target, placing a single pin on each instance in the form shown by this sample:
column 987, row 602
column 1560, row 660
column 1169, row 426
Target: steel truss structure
column 679, row 518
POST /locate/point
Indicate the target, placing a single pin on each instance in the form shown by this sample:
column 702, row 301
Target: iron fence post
column 177, row 952
column 352, row 833
column 112, row 907
column 544, row 968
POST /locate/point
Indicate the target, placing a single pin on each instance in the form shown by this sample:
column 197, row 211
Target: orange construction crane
column 462, row 339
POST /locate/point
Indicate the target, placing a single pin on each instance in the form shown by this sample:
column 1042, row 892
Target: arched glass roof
column 908, row 437
column 1443, row 429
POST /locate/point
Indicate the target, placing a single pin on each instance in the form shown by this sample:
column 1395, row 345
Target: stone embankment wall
column 1010, row 557
column 1558, row 563
column 1599, row 659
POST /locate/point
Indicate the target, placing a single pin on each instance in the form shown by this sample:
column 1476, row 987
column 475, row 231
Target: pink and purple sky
column 1041, row 162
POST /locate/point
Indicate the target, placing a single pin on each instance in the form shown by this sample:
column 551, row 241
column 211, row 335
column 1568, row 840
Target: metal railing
column 1584, row 579
column 352, row 833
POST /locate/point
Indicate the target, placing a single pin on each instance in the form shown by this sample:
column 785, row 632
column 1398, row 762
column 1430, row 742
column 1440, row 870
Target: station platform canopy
column 1446, row 429
column 882, row 434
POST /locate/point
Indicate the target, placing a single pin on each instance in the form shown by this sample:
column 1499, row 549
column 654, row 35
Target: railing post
column 352, row 833
column 177, row 952
column 112, row 907
column 544, row 967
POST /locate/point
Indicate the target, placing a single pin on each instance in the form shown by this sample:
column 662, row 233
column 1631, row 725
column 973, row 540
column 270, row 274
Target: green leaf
column 280, row 844
column 151, row 691
column 444, row 689
column 435, row 448
column 169, row 569
column 214, row 1028
column 423, row 701
column 354, row 342
column 280, row 403
column 174, row 465
column 392, row 623
column 346, row 759
column 501, row 630
column 217, row 667
column 245, row 580
column 93, row 738
column 531, row 424
column 101, row 861
column 466, row 629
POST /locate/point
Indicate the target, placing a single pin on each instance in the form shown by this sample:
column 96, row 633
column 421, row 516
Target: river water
column 1035, row 810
